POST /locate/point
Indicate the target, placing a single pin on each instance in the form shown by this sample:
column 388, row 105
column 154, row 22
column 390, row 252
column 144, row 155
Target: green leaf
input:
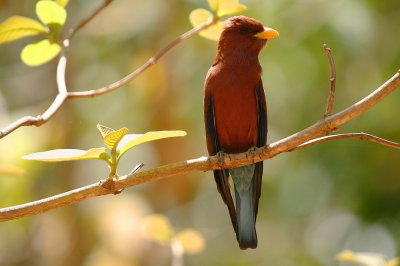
column 62, row 3
column 113, row 138
column 18, row 27
column 62, row 155
column 39, row 53
column 104, row 131
column 49, row 12
column 131, row 140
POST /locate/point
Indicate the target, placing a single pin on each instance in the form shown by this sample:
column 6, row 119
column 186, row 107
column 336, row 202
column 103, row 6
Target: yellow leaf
column 393, row 262
column 363, row 258
column 104, row 130
column 67, row 155
column 39, row 53
column 213, row 5
column 18, row 27
column 201, row 16
column 239, row 9
column 131, row 140
column 113, row 138
column 49, row 12
column 11, row 170
column 157, row 228
column 192, row 241
column 229, row 7
column 213, row 32
column 62, row 3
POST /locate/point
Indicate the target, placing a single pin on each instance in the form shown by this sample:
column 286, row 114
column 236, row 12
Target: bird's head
column 244, row 34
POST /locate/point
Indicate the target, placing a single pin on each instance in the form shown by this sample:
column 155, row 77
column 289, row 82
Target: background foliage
column 315, row 202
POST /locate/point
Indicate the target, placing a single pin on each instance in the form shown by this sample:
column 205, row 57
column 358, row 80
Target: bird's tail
column 243, row 178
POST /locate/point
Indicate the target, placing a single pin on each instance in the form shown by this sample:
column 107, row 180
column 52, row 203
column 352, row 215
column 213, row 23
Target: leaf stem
column 113, row 164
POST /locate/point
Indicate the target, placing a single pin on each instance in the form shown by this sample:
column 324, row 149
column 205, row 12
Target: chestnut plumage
column 235, row 117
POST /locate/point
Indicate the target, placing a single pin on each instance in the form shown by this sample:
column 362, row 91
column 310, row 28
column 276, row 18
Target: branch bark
column 361, row 136
column 320, row 128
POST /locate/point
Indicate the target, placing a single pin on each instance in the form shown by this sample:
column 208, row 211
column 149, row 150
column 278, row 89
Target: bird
column 235, row 116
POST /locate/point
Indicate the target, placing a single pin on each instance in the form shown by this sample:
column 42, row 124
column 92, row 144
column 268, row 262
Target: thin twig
column 153, row 60
column 332, row 80
column 177, row 252
column 320, row 128
column 361, row 136
column 332, row 122
column 85, row 21
column 136, row 168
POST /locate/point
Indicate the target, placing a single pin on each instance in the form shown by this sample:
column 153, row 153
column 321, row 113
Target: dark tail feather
column 246, row 219
column 222, row 180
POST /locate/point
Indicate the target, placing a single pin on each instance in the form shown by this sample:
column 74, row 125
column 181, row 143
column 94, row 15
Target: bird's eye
column 244, row 30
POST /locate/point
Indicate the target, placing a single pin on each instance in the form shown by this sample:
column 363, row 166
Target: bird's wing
column 211, row 131
column 262, row 115
column 221, row 176
column 262, row 140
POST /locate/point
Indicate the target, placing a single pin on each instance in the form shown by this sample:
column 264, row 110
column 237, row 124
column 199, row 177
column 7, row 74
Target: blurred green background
column 315, row 202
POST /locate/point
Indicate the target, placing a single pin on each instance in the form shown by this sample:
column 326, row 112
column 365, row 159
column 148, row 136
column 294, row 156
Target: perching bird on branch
column 235, row 117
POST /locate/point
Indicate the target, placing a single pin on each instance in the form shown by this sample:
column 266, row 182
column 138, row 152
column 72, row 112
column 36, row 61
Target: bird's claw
column 253, row 151
column 221, row 157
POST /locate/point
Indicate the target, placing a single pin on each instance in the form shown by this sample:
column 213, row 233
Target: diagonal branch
column 85, row 21
column 361, row 136
column 332, row 80
column 332, row 122
column 320, row 128
column 152, row 61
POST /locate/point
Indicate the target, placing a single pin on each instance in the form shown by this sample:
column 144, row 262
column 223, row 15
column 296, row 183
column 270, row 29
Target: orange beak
column 268, row 33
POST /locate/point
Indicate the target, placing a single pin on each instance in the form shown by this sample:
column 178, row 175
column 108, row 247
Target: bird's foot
column 222, row 157
column 253, row 153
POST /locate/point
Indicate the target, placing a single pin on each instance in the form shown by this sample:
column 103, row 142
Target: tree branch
column 64, row 95
column 152, row 61
column 332, row 80
column 85, row 21
column 320, row 128
column 361, row 136
column 49, row 113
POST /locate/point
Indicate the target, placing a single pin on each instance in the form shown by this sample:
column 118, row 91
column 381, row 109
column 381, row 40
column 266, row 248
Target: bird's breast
column 235, row 109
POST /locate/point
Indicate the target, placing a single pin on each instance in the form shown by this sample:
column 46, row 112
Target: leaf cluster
column 118, row 142
column 52, row 16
